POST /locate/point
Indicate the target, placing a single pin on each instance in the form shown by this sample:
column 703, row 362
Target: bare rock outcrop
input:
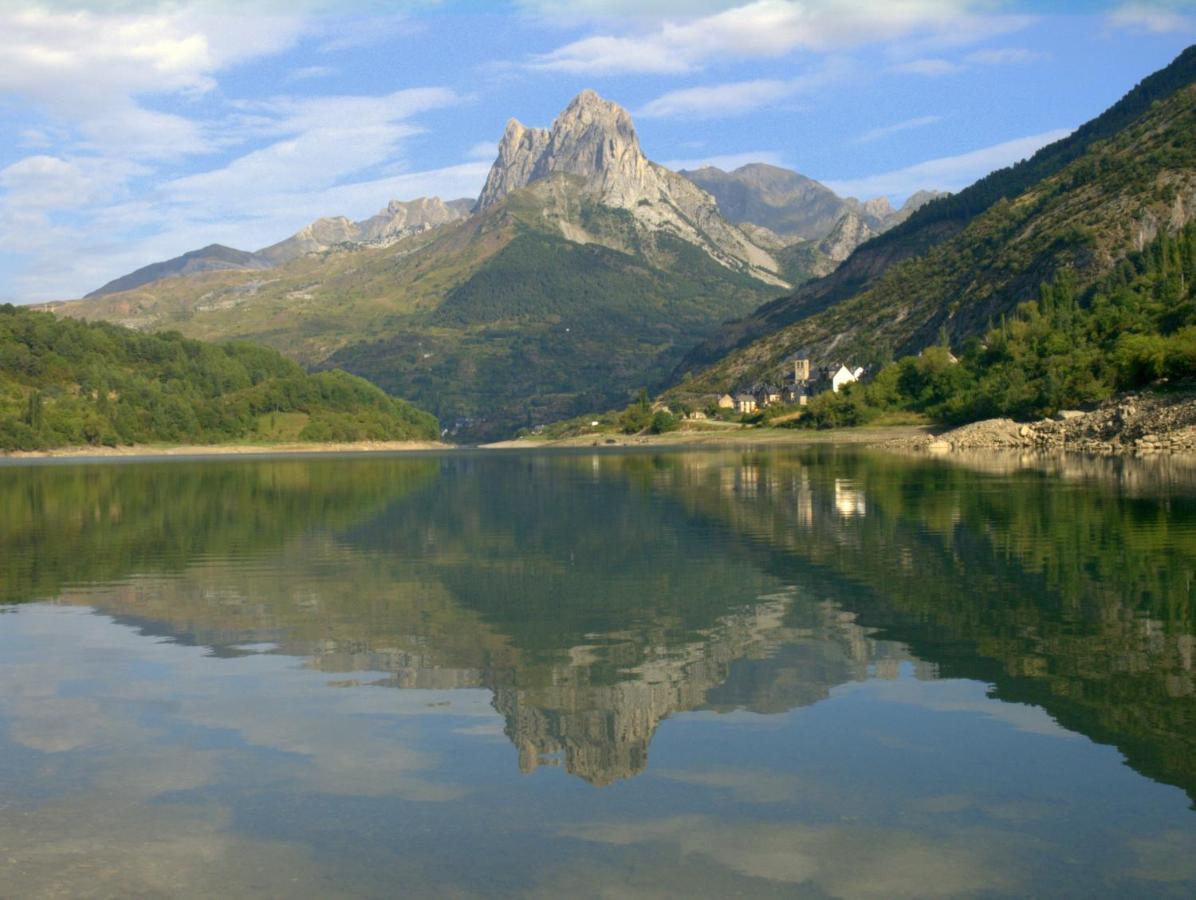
column 1130, row 425
column 595, row 140
column 849, row 232
column 399, row 219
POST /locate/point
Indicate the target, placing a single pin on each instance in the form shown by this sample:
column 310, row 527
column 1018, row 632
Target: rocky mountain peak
column 878, row 207
column 397, row 220
column 592, row 138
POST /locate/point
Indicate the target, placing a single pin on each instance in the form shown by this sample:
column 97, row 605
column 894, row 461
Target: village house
column 745, row 403
column 844, row 376
column 799, row 384
column 767, row 394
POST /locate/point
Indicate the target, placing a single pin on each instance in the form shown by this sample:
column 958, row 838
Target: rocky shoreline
column 1130, row 425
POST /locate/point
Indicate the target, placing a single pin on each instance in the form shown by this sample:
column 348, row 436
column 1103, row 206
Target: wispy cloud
column 1003, row 56
column 716, row 101
column 885, row 131
column 764, row 29
column 1155, row 18
column 482, row 150
column 930, row 67
column 996, row 56
column 93, row 71
column 73, row 216
column 950, row 173
column 306, row 73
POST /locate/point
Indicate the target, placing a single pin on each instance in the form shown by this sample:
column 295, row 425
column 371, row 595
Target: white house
column 844, row 375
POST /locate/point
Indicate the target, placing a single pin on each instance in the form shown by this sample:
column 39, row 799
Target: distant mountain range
column 583, row 272
column 398, row 220
column 793, row 206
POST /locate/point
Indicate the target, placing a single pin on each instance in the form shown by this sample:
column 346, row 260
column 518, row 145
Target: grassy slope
column 1104, row 203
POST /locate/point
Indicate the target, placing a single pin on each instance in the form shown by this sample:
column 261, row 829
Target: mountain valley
column 582, row 273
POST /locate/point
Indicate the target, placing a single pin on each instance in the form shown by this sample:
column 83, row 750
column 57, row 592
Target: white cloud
column 1155, row 18
column 885, row 131
column 339, row 32
column 727, row 162
column 37, row 188
column 482, row 150
column 930, row 67
column 712, row 101
column 72, row 217
column 330, row 138
column 936, row 66
column 306, row 73
column 716, row 100
column 1003, row 56
column 761, row 29
column 949, row 173
column 93, row 71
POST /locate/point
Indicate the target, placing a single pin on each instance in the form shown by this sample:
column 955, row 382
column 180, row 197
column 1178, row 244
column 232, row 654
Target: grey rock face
column 849, row 232
column 399, row 219
column 793, row 206
column 595, row 140
column 787, row 203
column 518, row 153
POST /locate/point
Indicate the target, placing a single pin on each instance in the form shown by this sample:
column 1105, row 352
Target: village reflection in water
column 570, row 604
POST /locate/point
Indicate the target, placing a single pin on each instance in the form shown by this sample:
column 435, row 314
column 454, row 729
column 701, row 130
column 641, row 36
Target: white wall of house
column 842, row 377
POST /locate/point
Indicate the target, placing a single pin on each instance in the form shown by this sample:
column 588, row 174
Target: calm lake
column 817, row 672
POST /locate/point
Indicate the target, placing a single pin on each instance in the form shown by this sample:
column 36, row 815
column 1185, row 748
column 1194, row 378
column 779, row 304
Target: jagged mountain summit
column 806, row 225
column 595, row 141
column 399, row 219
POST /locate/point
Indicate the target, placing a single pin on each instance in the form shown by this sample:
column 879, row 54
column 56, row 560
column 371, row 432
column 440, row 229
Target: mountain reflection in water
column 589, row 598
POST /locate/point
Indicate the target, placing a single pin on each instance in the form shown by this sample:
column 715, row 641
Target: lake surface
column 787, row 672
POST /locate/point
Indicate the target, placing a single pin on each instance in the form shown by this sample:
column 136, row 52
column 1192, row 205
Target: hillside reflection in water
column 849, row 673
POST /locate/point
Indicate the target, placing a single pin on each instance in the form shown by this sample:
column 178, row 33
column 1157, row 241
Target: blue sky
column 134, row 131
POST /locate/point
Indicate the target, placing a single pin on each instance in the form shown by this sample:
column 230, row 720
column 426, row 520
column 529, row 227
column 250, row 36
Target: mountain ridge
column 964, row 261
column 937, row 222
column 564, row 294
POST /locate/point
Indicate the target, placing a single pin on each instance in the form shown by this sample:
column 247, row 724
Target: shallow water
column 778, row 672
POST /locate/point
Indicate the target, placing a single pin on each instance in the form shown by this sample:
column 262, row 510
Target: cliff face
column 594, row 140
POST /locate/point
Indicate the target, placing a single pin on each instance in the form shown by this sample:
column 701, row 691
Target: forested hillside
column 1065, row 349
column 65, row 382
column 938, row 259
column 1113, row 193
